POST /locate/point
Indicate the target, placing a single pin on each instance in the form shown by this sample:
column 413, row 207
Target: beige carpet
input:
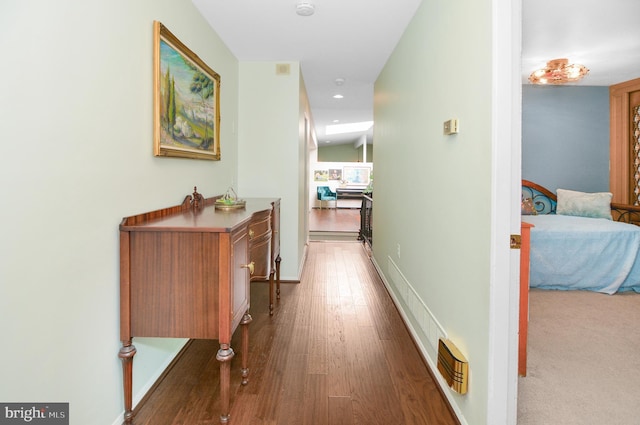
column 583, row 360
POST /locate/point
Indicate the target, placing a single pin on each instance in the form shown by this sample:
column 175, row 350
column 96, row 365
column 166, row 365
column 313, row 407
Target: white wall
column 434, row 244
column 76, row 84
column 269, row 145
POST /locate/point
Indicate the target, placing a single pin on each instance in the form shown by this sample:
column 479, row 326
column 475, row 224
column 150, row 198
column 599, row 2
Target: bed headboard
column 626, row 213
column 544, row 201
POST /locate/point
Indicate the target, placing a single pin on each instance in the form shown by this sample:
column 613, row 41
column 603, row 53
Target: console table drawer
column 260, row 225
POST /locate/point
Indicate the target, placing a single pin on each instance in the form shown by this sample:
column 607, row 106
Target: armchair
column 325, row 194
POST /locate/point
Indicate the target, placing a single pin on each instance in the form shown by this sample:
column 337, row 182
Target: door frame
column 506, row 177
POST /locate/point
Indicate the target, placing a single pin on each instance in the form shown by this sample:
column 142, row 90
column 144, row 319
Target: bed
column 581, row 241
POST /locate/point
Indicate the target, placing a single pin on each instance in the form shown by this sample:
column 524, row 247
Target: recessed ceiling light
column 336, row 120
column 338, row 96
column 304, row 8
column 339, row 81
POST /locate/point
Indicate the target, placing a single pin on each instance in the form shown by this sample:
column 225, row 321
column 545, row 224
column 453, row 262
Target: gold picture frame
column 186, row 100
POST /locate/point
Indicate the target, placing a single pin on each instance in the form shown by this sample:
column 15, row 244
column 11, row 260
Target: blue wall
column 565, row 137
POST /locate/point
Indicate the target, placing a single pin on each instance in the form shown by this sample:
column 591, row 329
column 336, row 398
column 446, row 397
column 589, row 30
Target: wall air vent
column 453, row 366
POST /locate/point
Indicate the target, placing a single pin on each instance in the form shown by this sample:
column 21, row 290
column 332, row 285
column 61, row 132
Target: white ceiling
column 352, row 39
column 603, row 35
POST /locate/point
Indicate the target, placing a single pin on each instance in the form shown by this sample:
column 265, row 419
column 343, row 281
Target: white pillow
column 596, row 205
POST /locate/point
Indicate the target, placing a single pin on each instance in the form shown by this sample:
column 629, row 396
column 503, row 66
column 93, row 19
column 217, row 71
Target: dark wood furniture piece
column 275, row 253
column 366, row 216
column 545, row 202
column 624, row 141
column 264, row 233
column 348, row 193
column 185, row 273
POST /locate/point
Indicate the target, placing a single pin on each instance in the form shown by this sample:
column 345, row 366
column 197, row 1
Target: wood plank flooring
column 334, row 220
column 335, row 352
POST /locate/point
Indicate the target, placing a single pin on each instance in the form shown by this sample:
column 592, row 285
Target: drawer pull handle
column 251, row 266
column 251, row 233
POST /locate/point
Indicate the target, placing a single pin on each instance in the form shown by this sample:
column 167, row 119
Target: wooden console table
column 185, row 273
column 264, row 234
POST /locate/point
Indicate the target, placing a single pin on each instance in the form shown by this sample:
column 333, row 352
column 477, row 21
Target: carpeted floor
column 583, row 360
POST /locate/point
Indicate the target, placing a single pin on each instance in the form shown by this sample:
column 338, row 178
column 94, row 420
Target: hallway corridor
column 335, row 352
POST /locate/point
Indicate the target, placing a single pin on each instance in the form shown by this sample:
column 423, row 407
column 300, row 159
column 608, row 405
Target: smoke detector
column 304, row 8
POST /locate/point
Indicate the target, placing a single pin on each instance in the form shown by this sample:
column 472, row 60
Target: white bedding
column 595, row 254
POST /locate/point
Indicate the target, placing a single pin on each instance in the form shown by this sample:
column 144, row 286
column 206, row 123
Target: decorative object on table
column 230, row 201
column 186, row 100
column 197, row 200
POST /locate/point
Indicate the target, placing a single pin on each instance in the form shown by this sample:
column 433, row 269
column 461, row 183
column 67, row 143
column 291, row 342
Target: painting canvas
column 186, row 101
column 335, row 174
column 321, row 175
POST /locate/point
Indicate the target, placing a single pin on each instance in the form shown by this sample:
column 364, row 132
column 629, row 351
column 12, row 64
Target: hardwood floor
column 335, row 352
column 334, row 220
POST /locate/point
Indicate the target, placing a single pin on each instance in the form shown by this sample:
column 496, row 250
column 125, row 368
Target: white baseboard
column 418, row 307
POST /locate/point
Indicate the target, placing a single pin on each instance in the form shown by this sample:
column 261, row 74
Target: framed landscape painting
column 186, row 100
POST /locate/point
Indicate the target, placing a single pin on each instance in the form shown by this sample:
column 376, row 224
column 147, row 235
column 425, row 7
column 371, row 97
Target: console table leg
column 278, row 260
column 246, row 319
column 271, row 279
column 224, row 356
column 126, row 354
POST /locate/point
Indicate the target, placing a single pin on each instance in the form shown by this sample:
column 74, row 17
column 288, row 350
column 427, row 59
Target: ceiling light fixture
column 339, row 81
column 304, row 8
column 558, row 71
column 338, row 96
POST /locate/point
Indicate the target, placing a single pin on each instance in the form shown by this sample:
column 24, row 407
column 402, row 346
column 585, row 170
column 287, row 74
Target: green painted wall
column 77, row 158
column 344, row 153
column 431, row 211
